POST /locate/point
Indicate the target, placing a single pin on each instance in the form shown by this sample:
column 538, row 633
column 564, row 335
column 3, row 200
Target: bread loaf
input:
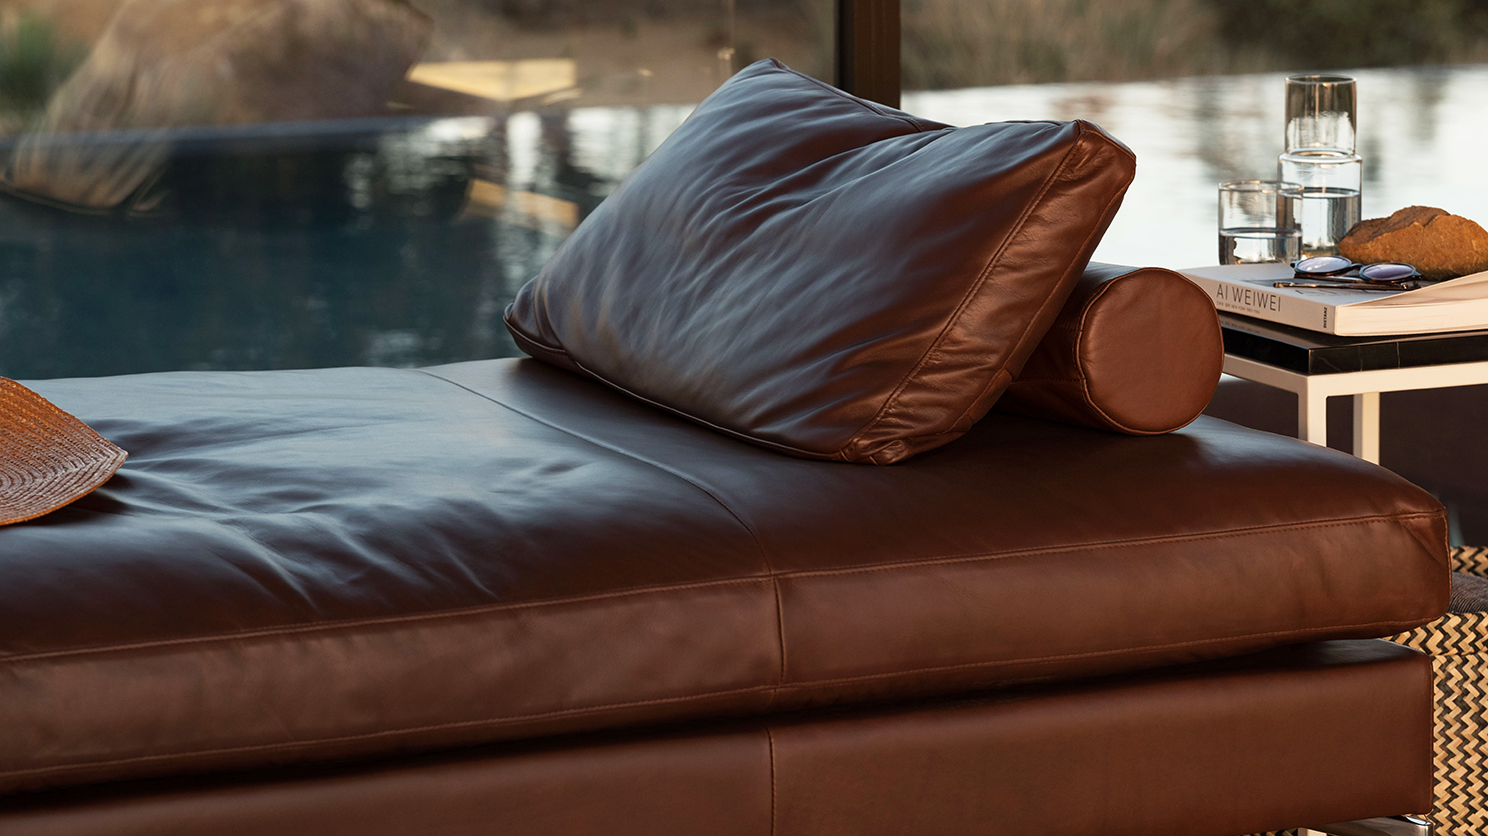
column 1436, row 242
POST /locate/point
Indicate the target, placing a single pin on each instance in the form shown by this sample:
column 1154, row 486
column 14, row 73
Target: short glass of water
column 1259, row 221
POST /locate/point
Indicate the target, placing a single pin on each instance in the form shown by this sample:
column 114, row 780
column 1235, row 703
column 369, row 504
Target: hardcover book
column 1249, row 289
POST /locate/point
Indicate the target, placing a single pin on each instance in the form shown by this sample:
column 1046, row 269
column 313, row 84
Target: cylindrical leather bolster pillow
column 1135, row 350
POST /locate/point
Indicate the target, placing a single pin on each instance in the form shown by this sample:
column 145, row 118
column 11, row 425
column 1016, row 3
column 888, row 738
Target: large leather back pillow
column 823, row 275
column 1135, row 350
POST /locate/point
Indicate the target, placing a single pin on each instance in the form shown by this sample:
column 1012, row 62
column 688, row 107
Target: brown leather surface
column 714, row 784
column 1134, row 350
column 1432, row 437
column 823, row 275
column 1304, row 735
column 299, row 566
column 1331, row 733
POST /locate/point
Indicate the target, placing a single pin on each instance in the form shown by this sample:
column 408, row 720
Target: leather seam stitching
column 1040, row 660
column 759, row 546
column 764, row 557
column 1426, row 546
column 62, row 768
column 1000, row 376
column 872, row 107
column 1115, row 544
column 1080, row 351
column 578, row 599
column 294, row 744
column 892, row 401
column 774, row 785
column 507, row 320
column 332, row 626
column 673, row 411
column 779, row 630
column 1108, row 214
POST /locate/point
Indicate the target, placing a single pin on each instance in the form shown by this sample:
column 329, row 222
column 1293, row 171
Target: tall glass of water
column 1321, row 114
column 1321, row 125
column 1258, row 221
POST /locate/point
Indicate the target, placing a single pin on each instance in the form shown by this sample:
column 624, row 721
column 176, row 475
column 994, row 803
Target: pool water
column 399, row 242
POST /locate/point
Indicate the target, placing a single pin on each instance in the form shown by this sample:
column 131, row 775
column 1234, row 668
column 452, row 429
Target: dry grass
column 966, row 43
column 638, row 55
column 640, row 51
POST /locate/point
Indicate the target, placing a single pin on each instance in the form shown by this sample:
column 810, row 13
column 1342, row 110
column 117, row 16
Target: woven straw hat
column 47, row 457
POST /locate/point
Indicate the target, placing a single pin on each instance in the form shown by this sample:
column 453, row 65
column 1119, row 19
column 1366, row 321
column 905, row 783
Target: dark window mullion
column 868, row 49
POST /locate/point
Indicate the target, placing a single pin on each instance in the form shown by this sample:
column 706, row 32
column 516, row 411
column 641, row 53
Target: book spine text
column 1263, row 304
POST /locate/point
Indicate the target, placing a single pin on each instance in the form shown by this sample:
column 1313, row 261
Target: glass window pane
column 1196, row 88
column 235, row 184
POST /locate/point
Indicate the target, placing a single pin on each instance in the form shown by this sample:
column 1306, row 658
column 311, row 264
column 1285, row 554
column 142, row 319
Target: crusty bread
column 1439, row 244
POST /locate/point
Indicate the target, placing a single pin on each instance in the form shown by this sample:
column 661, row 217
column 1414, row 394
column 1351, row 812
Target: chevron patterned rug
column 1458, row 645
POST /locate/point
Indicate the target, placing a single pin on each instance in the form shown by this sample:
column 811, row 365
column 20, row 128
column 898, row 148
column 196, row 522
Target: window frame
column 867, row 44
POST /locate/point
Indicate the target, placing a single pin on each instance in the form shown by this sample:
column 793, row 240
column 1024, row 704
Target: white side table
column 1320, row 366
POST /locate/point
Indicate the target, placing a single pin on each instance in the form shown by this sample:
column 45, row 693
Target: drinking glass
column 1321, row 125
column 1258, row 221
column 1321, row 113
column 1330, row 196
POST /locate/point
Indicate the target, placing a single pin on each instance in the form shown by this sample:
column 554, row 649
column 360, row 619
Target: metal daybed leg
column 1391, row 826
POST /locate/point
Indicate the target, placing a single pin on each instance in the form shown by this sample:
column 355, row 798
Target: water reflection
column 158, row 66
column 399, row 241
column 1420, row 132
column 382, row 242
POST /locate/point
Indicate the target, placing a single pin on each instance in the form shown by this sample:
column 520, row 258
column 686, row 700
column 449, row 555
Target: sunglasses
column 1339, row 272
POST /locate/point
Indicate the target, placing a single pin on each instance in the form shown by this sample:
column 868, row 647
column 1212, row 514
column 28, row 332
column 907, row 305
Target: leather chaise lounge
column 308, row 588
column 580, row 597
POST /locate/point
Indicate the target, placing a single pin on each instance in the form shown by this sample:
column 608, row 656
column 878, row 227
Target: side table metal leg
column 1366, row 426
column 1312, row 417
column 1392, row 826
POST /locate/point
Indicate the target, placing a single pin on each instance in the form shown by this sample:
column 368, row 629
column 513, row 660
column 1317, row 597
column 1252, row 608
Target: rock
column 1439, row 244
column 164, row 64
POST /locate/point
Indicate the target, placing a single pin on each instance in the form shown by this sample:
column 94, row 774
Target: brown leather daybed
column 507, row 598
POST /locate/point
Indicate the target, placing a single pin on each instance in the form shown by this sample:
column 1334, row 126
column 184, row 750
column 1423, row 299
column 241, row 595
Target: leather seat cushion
column 314, row 565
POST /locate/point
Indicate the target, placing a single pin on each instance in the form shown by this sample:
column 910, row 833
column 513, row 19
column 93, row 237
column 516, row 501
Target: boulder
column 164, row 64
column 1439, row 244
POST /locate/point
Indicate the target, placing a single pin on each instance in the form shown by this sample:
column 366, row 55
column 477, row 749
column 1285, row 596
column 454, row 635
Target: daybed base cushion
column 1309, row 734
column 310, row 565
